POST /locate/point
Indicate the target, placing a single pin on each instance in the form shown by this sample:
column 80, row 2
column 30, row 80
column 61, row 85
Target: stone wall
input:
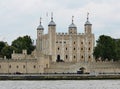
column 24, row 65
column 98, row 67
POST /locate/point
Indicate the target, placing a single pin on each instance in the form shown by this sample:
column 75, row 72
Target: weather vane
column 87, row 16
column 52, row 16
column 72, row 18
column 40, row 20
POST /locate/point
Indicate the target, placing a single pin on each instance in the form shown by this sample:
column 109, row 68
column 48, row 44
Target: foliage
column 23, row 43
column 117, row 49
column 2, row 45
column 107, row 48
column 7, row 51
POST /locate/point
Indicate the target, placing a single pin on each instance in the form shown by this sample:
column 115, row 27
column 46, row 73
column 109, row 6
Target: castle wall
column 90, row 67
column 25, row 65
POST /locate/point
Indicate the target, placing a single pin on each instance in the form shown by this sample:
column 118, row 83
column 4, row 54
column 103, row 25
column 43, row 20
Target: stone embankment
column 59, row 77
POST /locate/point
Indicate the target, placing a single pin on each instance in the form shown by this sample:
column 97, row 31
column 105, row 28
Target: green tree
column 2, row 45
column 23, row 43
column 7, row 51
column 117, row 49
column 105, row 48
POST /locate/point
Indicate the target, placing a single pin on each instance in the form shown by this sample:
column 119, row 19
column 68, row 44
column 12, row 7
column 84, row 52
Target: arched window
column 23, row 66
column 66, row 56
column 81, row 48
column 74, row 42
column 89, row 49
column 74, row 57
column 82, row 57
column 17, row 66
column 66, row 48
column 89, row 57
column 74, row 48
column 34, row 66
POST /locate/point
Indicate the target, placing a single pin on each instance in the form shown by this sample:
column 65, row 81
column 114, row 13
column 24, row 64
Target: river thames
column 61, row 84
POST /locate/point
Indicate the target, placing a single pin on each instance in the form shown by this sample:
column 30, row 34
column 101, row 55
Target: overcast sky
column 21, row 17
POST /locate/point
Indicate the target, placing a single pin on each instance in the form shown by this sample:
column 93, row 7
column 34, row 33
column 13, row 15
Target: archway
column 58, row 58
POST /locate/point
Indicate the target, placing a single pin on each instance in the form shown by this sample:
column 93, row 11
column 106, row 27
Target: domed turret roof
column 87, row 22
column 52, row 23
column 40, row 27
column 72, row 25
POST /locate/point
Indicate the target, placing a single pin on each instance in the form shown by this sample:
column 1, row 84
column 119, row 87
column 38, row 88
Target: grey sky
column 21, row 17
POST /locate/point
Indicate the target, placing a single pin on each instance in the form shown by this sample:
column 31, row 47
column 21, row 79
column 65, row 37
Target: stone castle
column 67, row 47
column 59, row 53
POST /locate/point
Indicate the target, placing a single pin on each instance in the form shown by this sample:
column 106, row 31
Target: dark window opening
column 81, row 48
column 74, row 57
column 23, row 66
column 66, row 48
column 89, row 48
column 74, row 48
column 58, row 48
column 17, row 66
column 89, row 57
column 82, row 57
column 9, row 66
column 58, row 59
column 34, row 66
column 66, row 56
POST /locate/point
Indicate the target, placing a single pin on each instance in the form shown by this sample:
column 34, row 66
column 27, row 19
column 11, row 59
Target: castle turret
column 40, row 32
column 72, row 27
column 88, row 26
column 52, row 38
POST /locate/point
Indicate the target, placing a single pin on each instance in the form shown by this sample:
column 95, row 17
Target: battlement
column 62, row 34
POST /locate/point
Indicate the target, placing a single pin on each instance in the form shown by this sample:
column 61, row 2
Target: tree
column 7, row 51
column 23, row 43
column 117, row 49
column 105, row 48
column 2, row 45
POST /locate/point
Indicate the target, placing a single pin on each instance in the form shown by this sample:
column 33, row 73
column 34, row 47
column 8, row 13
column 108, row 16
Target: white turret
column 72, row 27
column 52, row 38
column 88, row 26
column 40, row 32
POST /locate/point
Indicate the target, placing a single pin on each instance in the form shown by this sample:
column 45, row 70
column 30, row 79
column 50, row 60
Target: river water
column 61, row 84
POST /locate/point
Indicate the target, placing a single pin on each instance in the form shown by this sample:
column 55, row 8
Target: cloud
column 20, row 17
